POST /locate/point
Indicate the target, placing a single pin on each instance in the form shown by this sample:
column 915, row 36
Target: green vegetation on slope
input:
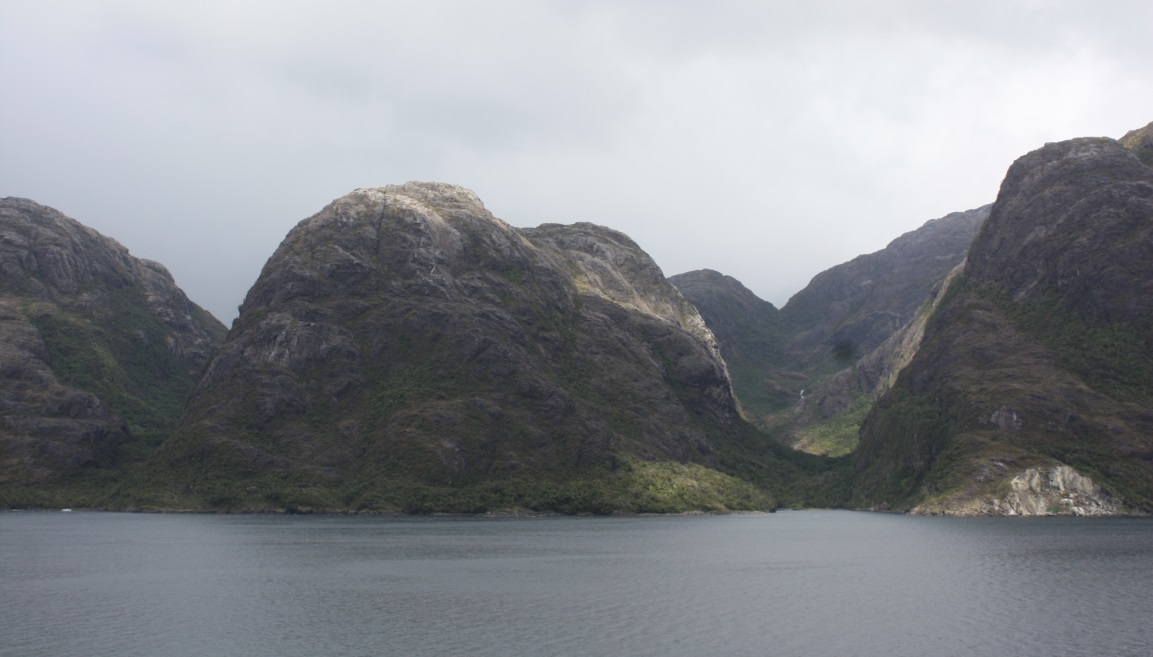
column 628, row 486
column 122, row 356
column 1114, row 358
column 837, row 435
column 1006, row 385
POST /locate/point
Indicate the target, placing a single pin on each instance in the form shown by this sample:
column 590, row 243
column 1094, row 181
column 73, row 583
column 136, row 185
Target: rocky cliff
column 751, row 334
column 98, row 350
column 404, row 349
column 827, row 419
column 1035, row 375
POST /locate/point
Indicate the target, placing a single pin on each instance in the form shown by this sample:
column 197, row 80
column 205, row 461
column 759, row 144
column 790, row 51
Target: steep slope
column 404, row 349
column 827, row 420
column 750, row 332
column 847, row 311
column 812, row 361
column 98, row 351
column 1140, row 143
column 1032, row 388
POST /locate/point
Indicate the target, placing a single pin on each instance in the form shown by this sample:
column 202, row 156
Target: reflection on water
column 792, row 583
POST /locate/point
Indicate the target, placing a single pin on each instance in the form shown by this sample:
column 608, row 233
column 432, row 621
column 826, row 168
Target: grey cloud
column 768, row 140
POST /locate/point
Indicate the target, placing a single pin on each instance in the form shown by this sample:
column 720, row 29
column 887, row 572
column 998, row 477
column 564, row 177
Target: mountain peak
column 446, row 198
column 1037, row 366
column 1140, row 143
column 1056, row 209
column 404, row 348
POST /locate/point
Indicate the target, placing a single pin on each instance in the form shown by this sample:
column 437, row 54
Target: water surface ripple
column 805, row 583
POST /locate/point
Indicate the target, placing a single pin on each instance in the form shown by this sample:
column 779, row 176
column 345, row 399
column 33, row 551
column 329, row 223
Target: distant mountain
column 847, row 311
column 405, row 350
column 827, row 420
column 751, row 334
column 783, row 360
column 98, row 352
column 1032, row 389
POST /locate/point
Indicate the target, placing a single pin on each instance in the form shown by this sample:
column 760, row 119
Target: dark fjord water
column 805, row 583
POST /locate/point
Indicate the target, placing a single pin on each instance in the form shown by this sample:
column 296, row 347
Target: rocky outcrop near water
column 406, row 350
column 1039, row 360
column 98, row 350
column 1042, row 491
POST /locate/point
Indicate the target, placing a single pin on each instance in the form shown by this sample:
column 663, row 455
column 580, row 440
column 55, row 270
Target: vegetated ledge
column 633, row 487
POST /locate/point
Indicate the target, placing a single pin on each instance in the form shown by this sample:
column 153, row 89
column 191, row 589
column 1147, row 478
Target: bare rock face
column 1059, row 490
column 1058, row 207
column 1039, row 359
column 405, row 339
column 1039, row 491
column 97, row 351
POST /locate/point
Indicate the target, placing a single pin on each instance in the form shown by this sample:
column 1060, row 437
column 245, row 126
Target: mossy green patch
column 633, row 486
column 838, row 435
column 122, row 356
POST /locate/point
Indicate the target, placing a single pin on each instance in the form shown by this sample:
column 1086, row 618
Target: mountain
column 405, row 350
column 847, row 311
column 783, row 361
column 827, row 419
column 98, row 351
column 750, row 332
column 1032, row 389
column 1140, row 143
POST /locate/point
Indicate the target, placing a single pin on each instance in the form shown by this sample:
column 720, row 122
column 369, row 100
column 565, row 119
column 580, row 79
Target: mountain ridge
column 1031, row 390
column 783, row 359
column 403, row 349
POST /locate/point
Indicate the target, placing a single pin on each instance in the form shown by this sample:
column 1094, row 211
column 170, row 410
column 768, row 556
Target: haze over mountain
column 768, row 140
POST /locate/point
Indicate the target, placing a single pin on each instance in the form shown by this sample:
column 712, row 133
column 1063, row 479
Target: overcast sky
column 766, row 140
